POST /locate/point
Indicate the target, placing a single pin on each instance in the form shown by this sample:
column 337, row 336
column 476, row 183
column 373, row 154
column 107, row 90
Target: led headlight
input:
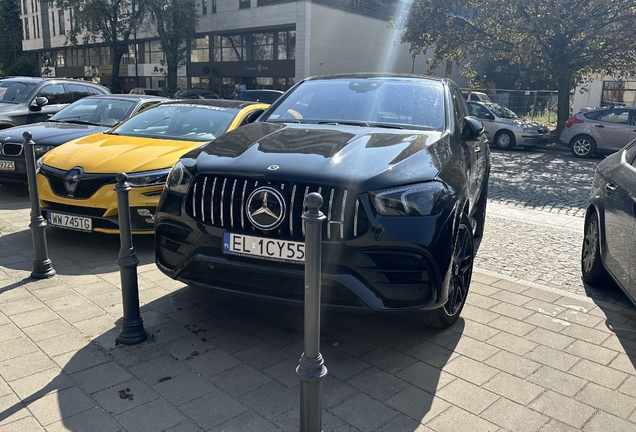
column 148, row 178
column 420, row 199
column 179, row 179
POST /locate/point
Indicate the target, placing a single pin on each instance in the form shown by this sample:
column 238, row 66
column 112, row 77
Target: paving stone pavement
column 524, row 356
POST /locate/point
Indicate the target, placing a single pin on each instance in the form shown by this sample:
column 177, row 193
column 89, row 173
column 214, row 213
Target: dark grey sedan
column 609, row 244
column 87, row 116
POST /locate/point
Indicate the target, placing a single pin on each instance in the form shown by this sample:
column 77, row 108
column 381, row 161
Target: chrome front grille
column 221, row 201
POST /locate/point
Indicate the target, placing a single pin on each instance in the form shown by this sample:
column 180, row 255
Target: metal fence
column 526, row 103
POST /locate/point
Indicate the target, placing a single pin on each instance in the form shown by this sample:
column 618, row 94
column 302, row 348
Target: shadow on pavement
column 224, row 363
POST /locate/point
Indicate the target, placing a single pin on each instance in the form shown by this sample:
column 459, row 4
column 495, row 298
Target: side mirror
column 472, row 128
column 39, row 102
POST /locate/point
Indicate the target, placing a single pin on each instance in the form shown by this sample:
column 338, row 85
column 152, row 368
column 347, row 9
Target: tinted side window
column 615, row 116
column 78, row 91
column 594, row 115
column 55, row 93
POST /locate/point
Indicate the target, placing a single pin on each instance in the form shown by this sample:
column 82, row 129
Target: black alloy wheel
column 459, row 283
column 583, row 146
column 592, row 268
column 505, row 140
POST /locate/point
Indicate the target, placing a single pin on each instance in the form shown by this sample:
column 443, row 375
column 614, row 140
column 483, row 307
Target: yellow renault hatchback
column 76, row 180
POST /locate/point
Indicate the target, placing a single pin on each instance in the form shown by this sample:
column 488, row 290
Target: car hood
column 104, row 153
column 50, row 133
column 337, row 154
column 521, row 122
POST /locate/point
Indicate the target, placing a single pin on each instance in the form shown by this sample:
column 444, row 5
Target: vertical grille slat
column 227, row 207
column 212, row 200
column 243, row 205
column 222, row 207
column 342, row 213
column 291, row 211
column 232, row 204
column 205, row 182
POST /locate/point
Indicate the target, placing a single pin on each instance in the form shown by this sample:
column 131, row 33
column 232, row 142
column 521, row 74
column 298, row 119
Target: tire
column 462, row 271
column 480, row 211
column 504, row 140
column 583, row 146
column 592, row 269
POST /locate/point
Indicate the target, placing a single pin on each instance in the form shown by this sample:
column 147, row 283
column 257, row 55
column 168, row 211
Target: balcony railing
column 362, row 7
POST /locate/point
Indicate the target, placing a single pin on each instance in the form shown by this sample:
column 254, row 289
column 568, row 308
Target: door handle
column 477, row 149
column 599, row 126
column 610, row 187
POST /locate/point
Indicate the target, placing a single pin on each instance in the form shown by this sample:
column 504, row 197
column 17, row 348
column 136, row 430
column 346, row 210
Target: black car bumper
column 398, row 264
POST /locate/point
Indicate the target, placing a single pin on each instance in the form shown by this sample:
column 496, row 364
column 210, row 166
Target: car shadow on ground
column 225, row 363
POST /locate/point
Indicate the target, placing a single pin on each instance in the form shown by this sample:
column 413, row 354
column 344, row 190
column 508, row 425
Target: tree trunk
column 563, row 103
column 115, row 83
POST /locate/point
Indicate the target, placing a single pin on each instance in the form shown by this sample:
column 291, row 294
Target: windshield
column 371, row 101
column 96, row 111
column 15, row 92
column 501, row 111
column 187, row 122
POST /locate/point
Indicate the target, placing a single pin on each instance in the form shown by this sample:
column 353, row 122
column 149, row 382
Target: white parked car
column 506, row 129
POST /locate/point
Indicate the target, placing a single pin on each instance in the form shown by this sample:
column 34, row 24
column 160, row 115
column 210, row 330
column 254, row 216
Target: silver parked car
column 599, row 130
column 505, row 129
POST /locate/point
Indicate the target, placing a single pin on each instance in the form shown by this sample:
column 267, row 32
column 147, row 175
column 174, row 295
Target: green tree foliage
column 561, row 41
column 176, row 22
column 11, row 35
column 25, row 65
column 109, row 21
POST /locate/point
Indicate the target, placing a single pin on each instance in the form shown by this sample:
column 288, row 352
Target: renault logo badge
column 72, row 179
column 266, row 208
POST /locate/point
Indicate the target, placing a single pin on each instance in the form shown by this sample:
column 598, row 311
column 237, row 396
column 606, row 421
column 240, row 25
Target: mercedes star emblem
column 266, row 208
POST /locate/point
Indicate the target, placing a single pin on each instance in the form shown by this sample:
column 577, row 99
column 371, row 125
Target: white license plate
column 6, row 165
column 264, row 248
column 70, row 222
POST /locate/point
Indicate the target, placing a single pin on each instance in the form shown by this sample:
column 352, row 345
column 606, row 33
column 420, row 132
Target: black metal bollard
column 311, row 369
column 42, row 267
column 132, row 326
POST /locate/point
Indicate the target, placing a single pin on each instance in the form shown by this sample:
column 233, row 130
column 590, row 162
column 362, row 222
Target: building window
column 37, row 26
column 24, row 7
column 200, row 51
column 53, row 22
column 244, row 4
column 76, row 57
column 129, row 57
column 213, row 6
column 27, row 35
column 59, row 58
column 204, row 7
column 229, row 48
column 286, row 45
column 60, row 15
column 153, row 52
column 99, row 56
column 262, row 46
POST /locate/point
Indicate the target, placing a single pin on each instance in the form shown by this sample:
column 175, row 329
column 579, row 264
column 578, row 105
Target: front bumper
column 101, row 204
column 397, row 264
